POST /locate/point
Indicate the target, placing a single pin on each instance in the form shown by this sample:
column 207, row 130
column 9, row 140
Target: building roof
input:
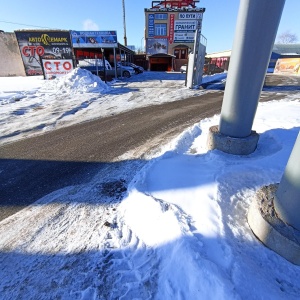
column 226, row 53
column 282, row 49
column 287, row 49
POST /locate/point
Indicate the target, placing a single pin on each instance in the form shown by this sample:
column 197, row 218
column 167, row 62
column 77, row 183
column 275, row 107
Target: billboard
column 37, row 44
column 288, row 66
column 171, row 28
column 190, row 16
column 151, row 25
column 184, row 31
column 94, row 39
column 155, row 46
column 54, row 68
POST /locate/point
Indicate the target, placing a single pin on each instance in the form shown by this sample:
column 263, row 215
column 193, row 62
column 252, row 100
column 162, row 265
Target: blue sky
column 218, row 22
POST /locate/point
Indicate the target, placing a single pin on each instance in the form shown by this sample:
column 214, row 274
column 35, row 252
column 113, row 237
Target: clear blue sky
column 218, row 22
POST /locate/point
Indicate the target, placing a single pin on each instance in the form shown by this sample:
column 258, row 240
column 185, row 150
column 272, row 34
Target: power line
column 1, row 21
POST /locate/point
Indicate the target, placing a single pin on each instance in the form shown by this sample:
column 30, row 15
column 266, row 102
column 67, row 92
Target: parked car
column 95, row 66
column 183, row 68
column 137, row 69
column 209, row 69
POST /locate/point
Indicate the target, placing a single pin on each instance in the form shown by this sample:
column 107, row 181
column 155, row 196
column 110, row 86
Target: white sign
column 54, row 68
column 187, row 37
column 190, row 16
column 185, row 26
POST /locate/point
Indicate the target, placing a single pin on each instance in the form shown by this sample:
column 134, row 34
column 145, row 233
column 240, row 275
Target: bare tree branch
column 287, row 37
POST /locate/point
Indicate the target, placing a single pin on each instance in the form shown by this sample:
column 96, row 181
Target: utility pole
column 124, row 23
column 256, row 29
column 287, row 200
column 274, row 213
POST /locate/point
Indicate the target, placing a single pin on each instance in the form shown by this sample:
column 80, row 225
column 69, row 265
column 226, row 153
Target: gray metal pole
column 287, row 198
column 255, row 34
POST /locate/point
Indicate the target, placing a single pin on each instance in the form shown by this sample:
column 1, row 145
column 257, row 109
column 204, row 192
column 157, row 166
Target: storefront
column 161, row 62
column 37, row 46
column 53, row 53
column 170, row 30
column 96, row 44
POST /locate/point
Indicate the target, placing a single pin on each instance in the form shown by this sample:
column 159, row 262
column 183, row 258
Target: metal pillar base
column 269, row 229
column 231, row 145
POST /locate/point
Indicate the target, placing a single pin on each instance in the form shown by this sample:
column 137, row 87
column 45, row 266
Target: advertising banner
column 184, row 31
column 288, row 66
column 94, row 39
column 154, row 46
column 54, row 68
column 36, row 44
column 190, row 16
column 171, row 28
column 151, row 25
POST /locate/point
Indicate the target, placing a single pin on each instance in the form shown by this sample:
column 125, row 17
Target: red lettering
column 32, row 50
column 48, row 65
column 57, row 63
column 67, row 66
column 40, row 50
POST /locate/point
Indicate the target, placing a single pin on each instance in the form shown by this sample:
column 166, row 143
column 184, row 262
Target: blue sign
column 151, row 25
column 94, row 39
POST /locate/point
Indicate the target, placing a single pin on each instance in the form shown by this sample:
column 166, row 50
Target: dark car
column 210, row 69
column 137, row 69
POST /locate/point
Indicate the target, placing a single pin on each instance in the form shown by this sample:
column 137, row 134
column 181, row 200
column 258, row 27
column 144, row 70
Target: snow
column 172, row 227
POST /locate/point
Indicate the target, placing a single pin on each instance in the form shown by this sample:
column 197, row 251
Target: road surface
column 36, row 166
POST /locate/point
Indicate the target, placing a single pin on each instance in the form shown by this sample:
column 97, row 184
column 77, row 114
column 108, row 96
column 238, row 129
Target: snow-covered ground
column 29, row 105
column 176, row 230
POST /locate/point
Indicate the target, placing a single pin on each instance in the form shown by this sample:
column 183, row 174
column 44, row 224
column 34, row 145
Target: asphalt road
column 34, row 167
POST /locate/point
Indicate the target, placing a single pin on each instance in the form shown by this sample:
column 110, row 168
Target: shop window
column 161, row 16
column 181, row 53
column 160, row 29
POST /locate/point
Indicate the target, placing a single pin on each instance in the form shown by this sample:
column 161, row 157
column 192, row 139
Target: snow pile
column 190, row 207
column 78, row 81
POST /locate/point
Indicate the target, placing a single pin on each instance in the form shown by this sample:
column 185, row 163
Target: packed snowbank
column 78, row 81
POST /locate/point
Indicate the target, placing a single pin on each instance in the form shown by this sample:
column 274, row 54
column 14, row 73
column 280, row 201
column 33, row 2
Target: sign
column 167, row 9
column 36, row 44
column 154, row 46
column 184, row 31
column 188, row 37
column 94, row 39
column 185, row 26
column 54, row 68
column 171, row 28
column 190, row 16
column 151, row 25
column 288, row 66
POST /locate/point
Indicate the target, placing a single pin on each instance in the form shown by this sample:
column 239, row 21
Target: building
column 286, row 55
column 220, row 59
column 10, row 59
column 23, row 51
column 170, row 28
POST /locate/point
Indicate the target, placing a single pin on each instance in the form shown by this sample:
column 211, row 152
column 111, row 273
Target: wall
column 10, row 59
